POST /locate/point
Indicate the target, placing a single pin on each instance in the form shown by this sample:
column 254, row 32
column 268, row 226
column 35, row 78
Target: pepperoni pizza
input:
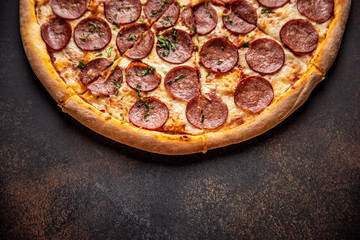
column 181, row 76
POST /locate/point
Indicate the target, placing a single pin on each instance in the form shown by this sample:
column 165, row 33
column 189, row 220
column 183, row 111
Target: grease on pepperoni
column 56, row 33
column 69, row 9
column 273, row 3
column 102, row 87
column 150, row 114
column 169, row 18
column 174, row 46
column 142, row 77
column 207, row 111
column 219, row 55
column 93, row 69
column 265, row 56
column 253, row 94
column 299, row 35
column 205, row 18
column 183, row 83
column 316, row 10
column 142, row 47
column 129, row 35
column 122, row 11
column 92, row 34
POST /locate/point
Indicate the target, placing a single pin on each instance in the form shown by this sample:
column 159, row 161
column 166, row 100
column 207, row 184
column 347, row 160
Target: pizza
column 181, row 76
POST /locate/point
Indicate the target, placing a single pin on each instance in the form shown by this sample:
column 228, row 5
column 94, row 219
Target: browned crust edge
column 278, row 111
column 326, row 54
column 123, row 132
column 36, row 52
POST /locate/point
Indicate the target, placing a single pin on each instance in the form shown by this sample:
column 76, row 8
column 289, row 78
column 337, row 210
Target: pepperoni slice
column 151, row 114
column 265, row 56
column 129, row 35
column 93, row 69
column 169, row 18
column 235, row 24
column 102, row 87
column 69, row 9
column 205, row 18
column 253, row 94
column 207, row 111
column 183, row 82
column 143, row 47
column 272, row 3
column 155, row 8
column 242, row 19
column 299, row 35
column 140, row 76
column 174, row 46
column 188, row 18
column 316, row 10
column 92, row 34
column 122, row 11
column 219, row 55
column 245, row 11
column 56, row 33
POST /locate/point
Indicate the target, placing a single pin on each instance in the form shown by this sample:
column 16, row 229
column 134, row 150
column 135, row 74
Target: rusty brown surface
column 59, row 180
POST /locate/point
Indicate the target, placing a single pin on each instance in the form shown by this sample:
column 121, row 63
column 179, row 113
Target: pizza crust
column 160, row 142
column 36, row 52
column 326, row 54
column 123, row 132
column 278, row 111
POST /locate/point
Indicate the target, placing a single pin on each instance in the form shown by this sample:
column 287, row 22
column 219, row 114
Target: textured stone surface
column 59, row 180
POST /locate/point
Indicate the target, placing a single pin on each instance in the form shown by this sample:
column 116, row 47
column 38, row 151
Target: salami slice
column 253, row 94
column 154, row 9
column 169, row 18
column 174, row 46
column 149, row 114
column 142, row 77
column 299, row 35
column 235, row 24
column 56, row 33
column 206, row 111
column 102, row 87
column 219, row 55
column 265, row 56
column 183, row 83
column 129, row 35
column 92, row 34
column 244, row 10
column 93, row 69
column 188, row 18
column 69, row 9
column 316, row 10
column 143, row 47
column 122, row 11
column 272, row 3
column 205, row 18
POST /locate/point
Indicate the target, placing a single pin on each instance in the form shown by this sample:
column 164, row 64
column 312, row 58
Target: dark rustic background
column 59, row 180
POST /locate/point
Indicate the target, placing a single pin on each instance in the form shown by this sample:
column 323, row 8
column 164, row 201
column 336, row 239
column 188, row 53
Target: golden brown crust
column 123, row 132
column 36, row 52
column 326, row 54
column 163, row 143
column 280, row 109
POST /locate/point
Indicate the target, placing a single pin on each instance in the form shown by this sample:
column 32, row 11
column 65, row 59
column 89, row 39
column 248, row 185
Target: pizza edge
column 326, row 54
column 36, row 52
column 160, row 142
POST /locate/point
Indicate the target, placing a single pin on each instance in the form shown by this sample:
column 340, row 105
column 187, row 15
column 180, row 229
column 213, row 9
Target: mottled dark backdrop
column 60, row 180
